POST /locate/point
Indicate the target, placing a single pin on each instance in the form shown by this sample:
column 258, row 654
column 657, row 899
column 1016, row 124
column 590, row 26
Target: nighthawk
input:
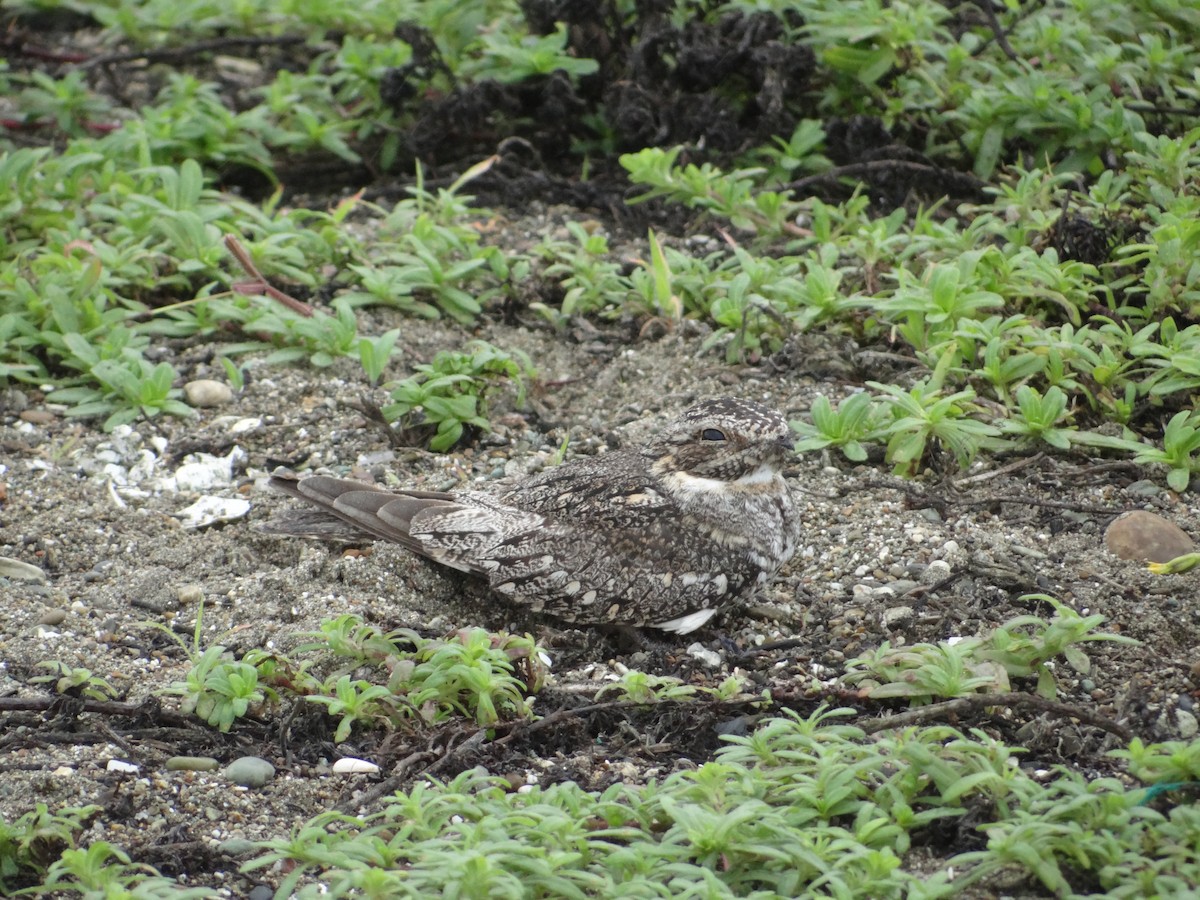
column 664, row 535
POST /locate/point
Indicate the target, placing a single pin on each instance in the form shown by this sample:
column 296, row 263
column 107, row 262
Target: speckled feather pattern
column 664, row 535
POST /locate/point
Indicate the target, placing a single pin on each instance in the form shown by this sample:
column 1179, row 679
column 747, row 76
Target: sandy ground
column 882, row 559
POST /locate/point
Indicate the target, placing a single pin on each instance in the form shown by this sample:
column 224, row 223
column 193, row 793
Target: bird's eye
column 712, row 434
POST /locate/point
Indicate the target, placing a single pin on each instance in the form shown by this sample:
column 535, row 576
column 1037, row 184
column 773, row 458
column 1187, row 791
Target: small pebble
column 936, row 571
column 189, row 594
column 38, row 416
column 1188, row 726
column 206, row 392
column 191, row 764
column 1146, row 536
column 52, row 617
column 119, row 765
column 1143, row 489
column 237, row 847
column 245, row 426
column 250, row 771
column 897, row 615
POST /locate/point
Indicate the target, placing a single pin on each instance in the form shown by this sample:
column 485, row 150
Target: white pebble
column 243, row 426
column 935, row 572
column 349, row 765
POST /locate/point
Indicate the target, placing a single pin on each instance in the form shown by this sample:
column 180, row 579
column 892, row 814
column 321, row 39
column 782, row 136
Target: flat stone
column 38, row 416
column 20, row 571
column 191, row 764
column 1147, row 536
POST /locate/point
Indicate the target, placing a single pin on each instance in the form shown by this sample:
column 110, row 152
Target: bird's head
column 725, row 439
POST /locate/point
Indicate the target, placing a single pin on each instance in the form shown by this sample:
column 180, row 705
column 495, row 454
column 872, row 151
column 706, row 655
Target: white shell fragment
column 207, row 471
column 213, row 510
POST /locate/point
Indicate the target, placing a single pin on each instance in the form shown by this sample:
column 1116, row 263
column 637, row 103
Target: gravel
column 135, row 530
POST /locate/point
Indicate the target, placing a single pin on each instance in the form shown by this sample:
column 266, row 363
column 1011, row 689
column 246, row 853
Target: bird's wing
column 653, row 575
column 453, row 529
column 611, row 491
column 348, row 510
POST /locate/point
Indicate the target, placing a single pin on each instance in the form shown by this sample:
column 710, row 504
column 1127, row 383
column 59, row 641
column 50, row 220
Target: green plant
column 731, row 195
column 1018, row 648
column 925, row 672
column 218, row 688
column 1077, row 825
column 74, row 681
column 1181, row 440
column 451, row 393
column 350, row 637
column 854, row 421
column 1038, row 418
column 509, row 58
column 436, row 265
column 592, row 283
column 1006, row 361
column 126, row 388
column 651, row 287
column 1023, row 645
column 641, row 687
column 924, row 415
column 32, row 841
column 320, row 338
column 864, row 40
column 66, row 101
column 356, row 702
column 1171, row 762
column 375, row 353
column 102, row 870
column 798, row 153
column 928, row 310
column 473, row 673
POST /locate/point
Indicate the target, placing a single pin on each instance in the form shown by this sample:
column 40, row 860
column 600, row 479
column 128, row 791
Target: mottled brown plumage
column 664, row 535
